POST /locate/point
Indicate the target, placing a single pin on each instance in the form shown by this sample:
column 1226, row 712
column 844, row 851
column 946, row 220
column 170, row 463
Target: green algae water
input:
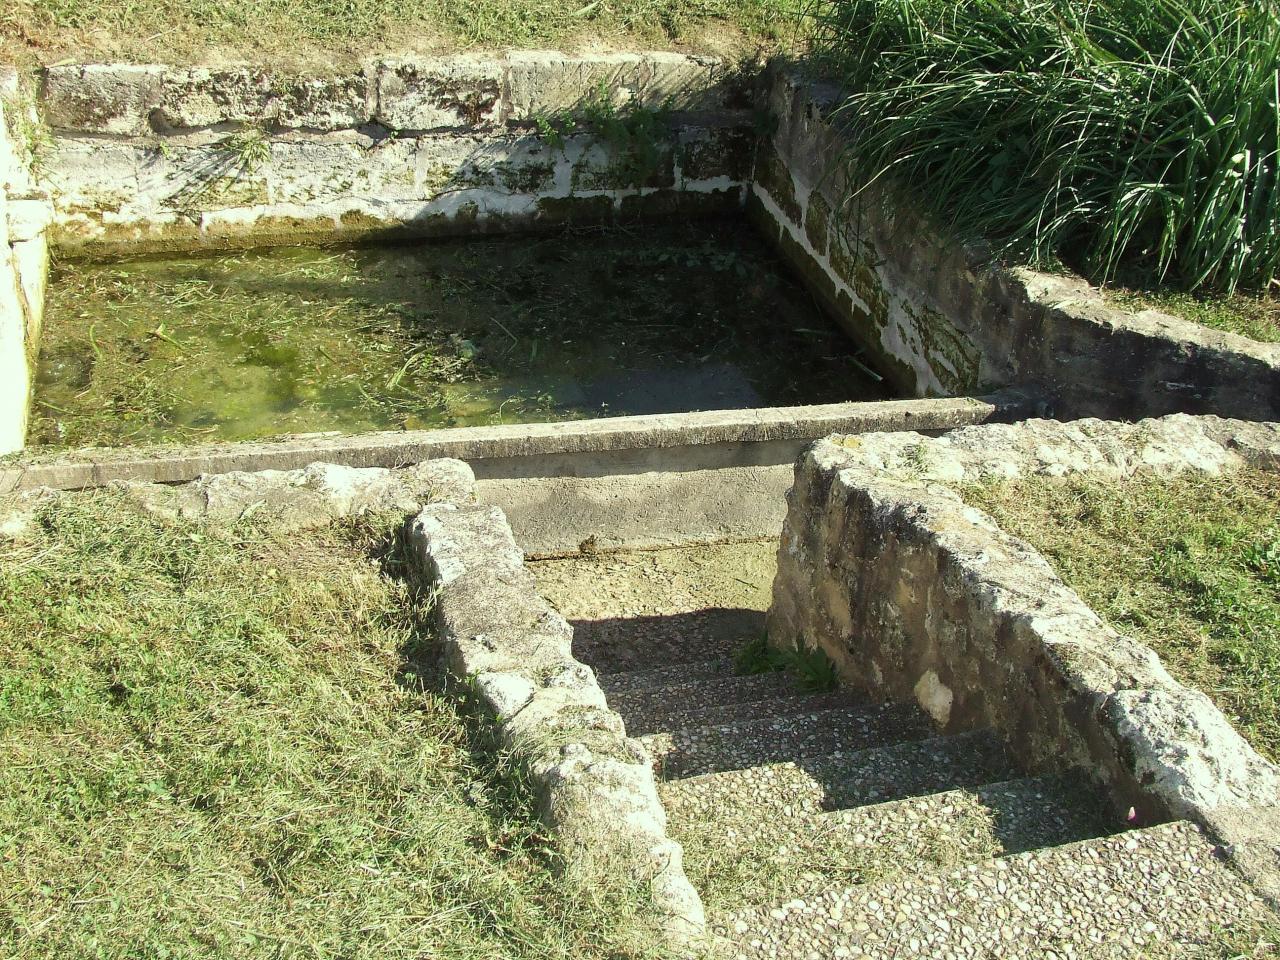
column 433, row 334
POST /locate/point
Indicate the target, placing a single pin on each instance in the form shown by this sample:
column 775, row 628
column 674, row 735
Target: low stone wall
column 596, row 786
column 917, row 596
column 24, row 259
column 288, row 500
column 155, row 157
column 941, row 320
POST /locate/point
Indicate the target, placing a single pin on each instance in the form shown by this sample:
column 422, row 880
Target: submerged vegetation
column 1189, row 566
column 220, row 743
column 1107, row 134
column 476, row 332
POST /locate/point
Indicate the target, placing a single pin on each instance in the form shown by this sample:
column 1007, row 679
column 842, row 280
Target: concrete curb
column 79, row 469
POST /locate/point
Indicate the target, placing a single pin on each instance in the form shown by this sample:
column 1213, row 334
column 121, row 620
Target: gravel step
column 702, row 692
column 720, row 699
column 1149, row 892
column 739, row 853
column 629, row 643
column 629, row 681
column 787, row 706
column 849, row 779
column 747, row 743
column 612, row 645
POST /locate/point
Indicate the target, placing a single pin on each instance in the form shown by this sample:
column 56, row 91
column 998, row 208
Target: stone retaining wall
column 24, row 260
column 155, row 157
column 917, row 596
column 941, row 320
column 596, row 787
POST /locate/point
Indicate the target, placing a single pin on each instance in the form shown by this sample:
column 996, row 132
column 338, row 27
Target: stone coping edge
column 288, row 500
column 79, row 469
column 595, row 786
column 423, row 92
column 918, row 596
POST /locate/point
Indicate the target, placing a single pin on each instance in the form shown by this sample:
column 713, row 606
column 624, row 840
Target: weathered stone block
column 681, row 82
column 855, row 261
column 102, row 98
column 28, row 219
column 547, row 83
column 94, row 175
column 817, row 222
column 950, row 353
column 327, row 171
column 450, row 164
column 773, row 177
column 576, row 210
column 202, row 98
column 313, row 496
column 439, row 93
column 717, row 152
column 510, row 164
column 15, row 370
column 668, row 204
column 31, row 262
column 602, row 166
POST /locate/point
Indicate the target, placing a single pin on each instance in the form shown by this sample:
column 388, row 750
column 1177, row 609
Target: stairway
column 821, row 825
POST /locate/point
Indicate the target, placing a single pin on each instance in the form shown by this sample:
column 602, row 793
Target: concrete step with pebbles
column 790, row 789
column 612, row 645
column 645, row 710
column 740, row 853
column 629, row 681
column 749, row 710
column 749, row 743
column 1148, row 892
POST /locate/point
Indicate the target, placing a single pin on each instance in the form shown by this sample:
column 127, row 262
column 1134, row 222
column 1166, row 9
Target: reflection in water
column 585, row 323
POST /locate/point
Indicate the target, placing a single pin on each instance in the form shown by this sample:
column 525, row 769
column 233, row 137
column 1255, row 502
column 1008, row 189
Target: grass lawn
column 319, row 33
column 1253, row 316
column 1189, row 566
column 220, row 743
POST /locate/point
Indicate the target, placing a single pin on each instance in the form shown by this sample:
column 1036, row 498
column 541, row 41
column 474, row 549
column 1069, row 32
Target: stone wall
column 24, row 259
column 917, row 596
column 595, row 786
column 942, row 320
column 154, row 157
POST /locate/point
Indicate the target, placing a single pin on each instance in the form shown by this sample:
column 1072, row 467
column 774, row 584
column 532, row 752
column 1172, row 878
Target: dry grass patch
column 221, row 743
column 319, row 33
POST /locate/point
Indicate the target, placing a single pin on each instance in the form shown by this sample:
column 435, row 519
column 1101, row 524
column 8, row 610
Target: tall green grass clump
column 1118, row 136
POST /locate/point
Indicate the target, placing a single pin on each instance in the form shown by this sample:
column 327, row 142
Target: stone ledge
column 404, row 93
column 918, row 596
column 94, row 467
column 290, row 500
column 596, row 787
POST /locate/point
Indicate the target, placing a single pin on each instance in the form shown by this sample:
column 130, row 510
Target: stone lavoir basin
column 629, row 291
column 574, row 324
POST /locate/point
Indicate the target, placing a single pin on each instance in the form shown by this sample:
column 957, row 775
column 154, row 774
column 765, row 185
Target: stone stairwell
column 820, row 825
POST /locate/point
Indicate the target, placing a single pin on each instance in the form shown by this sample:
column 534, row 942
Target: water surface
column 586, row 323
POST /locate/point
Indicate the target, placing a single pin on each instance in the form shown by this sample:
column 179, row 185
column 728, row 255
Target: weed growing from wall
column 637, row 137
